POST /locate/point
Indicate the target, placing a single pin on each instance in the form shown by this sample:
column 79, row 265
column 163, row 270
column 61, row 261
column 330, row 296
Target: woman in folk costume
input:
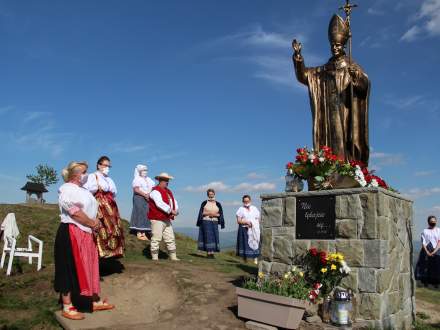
column 428, row 266
column 248, row 236
column 210, row 217
column 110, row 236
column 142, row 186
column 76, row 256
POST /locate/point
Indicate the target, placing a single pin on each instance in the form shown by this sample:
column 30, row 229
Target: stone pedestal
column 373, row 231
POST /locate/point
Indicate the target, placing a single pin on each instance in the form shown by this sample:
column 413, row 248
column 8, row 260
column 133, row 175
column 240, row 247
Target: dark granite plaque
column 315, row 217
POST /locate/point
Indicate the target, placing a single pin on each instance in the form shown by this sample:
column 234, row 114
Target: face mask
column 211, row 199
column 144, row 174
column 83, row 179
column 105, row 170
column 247, row 204
column 432, row 224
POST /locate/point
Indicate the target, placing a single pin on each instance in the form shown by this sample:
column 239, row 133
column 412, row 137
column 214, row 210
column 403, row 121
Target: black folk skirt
column 66, row 279
column 428, row 268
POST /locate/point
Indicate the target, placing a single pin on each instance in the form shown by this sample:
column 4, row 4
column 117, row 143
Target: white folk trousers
column 162, row 230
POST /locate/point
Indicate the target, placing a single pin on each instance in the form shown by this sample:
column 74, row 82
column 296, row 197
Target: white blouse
column 72, row 198
column 250, row 215
column 105, row 182
column 144, row 184
column 431, row 236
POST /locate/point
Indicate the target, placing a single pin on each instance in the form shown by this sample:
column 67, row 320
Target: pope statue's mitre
column 338, row 30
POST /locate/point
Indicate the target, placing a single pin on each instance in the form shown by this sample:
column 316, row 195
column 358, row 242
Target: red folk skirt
column 110, row 236
column 76, row 266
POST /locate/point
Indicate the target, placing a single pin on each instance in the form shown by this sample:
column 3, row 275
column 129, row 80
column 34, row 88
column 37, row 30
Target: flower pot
column 312, row 184
column 270, row 309
column 338, row 181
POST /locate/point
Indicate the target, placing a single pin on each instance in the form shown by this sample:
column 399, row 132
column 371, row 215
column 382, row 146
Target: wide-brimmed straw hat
column 164, row 175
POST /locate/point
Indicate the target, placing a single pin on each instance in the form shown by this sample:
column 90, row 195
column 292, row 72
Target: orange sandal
column 102, row 305
column 72, row 314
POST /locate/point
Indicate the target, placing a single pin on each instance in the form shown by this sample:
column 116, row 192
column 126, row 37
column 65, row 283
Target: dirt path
column 166, row 296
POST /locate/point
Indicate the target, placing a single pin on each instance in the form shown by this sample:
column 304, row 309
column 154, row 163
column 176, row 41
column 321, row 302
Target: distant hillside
column 228, row 239
column 42, row 221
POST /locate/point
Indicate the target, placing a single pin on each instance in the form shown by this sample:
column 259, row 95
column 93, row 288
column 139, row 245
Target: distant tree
column 45, row 175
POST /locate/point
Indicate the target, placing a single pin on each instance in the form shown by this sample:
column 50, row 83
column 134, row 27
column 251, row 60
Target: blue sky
column 205, row 90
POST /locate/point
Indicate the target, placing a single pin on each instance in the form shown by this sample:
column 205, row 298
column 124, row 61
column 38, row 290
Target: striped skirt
column 208, row 237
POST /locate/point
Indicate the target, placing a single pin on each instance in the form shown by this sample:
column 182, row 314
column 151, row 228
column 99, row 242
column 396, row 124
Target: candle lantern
column 341, row 307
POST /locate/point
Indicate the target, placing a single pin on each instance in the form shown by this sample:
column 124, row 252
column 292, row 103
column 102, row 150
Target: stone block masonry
column 373, row 230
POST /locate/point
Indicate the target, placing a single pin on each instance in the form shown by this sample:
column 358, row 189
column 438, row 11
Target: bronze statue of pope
column 339, row 92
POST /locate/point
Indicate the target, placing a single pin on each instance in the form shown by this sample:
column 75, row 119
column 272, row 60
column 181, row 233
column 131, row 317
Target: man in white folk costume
column 163, row 208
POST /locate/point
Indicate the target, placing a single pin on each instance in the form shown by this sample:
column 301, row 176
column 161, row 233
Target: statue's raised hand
column 296, row 47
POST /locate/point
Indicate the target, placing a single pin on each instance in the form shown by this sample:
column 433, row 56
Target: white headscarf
column 138, row 169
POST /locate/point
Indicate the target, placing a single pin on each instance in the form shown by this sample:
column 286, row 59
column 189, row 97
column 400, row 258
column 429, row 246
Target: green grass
column 422, row 325
column 428, row 295
column 27, row 299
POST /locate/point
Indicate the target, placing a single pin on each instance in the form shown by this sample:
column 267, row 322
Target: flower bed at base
column 281, row 299
column 323, row 167
column 319, row 274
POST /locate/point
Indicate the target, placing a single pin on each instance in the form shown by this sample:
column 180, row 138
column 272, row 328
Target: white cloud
column 6, row 109
column 375, row 12
column 255, row 36
column 216, row 185
column 411, row 34
column 38, row 132
column 406, row 102
column 269, row 51
column 34, row 115
column 244, row 187
column 165, row 156
column 125, row 147
column 386, row 159
column 425, row 173
column 7, row 177
column 255, row 176
column 416, row 193
column 428, row 19
column 275, row 69
column 232, row 203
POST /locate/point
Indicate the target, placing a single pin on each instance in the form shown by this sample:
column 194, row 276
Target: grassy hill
column 27, row 300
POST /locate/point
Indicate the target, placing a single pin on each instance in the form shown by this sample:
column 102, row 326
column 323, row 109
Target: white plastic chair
column 11, row 233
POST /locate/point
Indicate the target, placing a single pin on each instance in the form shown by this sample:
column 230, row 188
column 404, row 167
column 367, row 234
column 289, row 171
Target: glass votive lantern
column 341, row 307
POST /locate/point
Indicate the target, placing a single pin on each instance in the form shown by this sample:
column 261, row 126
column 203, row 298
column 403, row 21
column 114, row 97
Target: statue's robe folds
column 339, row 121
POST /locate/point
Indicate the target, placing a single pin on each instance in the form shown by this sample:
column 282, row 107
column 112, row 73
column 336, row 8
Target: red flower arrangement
column 321, row 165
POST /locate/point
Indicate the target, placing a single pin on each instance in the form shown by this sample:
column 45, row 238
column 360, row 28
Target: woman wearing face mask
column 142, row 186
column 76, row 256
column 210, row 217
column 110, row 237
column 428, row 266
column 248, row 236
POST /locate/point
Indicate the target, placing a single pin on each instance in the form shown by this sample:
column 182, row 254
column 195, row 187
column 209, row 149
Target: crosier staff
column 347, row 8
